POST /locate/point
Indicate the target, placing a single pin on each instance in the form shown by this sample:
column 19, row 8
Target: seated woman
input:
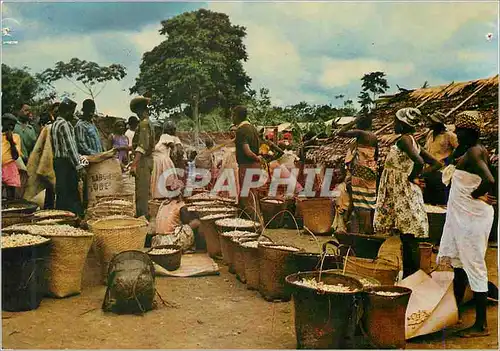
column 183, row 235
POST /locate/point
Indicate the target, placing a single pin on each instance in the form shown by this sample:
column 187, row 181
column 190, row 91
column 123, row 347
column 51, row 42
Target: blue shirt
column 87, row 138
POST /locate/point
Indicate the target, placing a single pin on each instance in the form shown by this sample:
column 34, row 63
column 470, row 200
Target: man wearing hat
column 440, row 143
column 143, row 146
column 67, row 165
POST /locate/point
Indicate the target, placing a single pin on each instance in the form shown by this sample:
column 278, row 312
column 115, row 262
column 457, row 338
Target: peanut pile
column 49, row 230
column 284, row 248
column 162, row 251
column 387, row 293
column 19, row 240
column 254, row 244
column 366, row 283
column 211, row 209
column 312, row 283
column 273, row 201
column 214, row 216
column 238, row 233
column 418, row 317
column 53, row 213
column 237, row 223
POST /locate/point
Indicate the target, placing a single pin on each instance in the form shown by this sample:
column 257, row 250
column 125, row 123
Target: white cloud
column 339, row 73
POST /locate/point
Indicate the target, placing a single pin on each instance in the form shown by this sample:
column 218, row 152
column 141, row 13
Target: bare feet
column 474, row 332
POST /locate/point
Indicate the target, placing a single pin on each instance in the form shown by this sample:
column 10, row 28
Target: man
column 88, row 140
column 11, row 151
column 247, row 155
column 133, row 122
column 440, row 143
column 87, row 135
column 143, row 144
column 66, row 160
column 469, row 219
column 26, row 131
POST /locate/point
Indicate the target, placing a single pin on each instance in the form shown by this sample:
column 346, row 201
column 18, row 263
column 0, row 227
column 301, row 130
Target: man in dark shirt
column 247, row 155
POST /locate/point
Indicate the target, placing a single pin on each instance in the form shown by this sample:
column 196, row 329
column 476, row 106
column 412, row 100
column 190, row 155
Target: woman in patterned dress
column 400, row 204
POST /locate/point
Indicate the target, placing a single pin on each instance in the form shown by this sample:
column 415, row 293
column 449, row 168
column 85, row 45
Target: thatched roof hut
column 443, row 98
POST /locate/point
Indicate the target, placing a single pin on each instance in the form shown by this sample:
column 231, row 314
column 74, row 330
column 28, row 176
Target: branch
column 69, row 80
column 103, row 86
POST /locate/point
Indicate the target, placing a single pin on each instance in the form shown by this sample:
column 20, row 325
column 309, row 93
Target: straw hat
column 409, row 116
column 437, row 117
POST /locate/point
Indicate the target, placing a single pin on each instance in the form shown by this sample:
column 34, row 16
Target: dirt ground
column 206, row 312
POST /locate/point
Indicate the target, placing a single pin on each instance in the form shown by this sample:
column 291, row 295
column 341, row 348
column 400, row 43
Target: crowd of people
column 450, row 169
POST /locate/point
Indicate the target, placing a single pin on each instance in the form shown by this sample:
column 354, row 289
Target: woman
column 168, row 146
column 469, row 218
column 400, row 204
column 120, row 142
column 363, row 171
column 440, row 143
column 11, row 151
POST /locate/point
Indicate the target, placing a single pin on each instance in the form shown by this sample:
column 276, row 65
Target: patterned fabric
column 64, row 142
column 183, row 236
column 10, row 175
column 364, row 178
column 121, row 141
column 469, row 119
column 400, row 203
column 87, row 138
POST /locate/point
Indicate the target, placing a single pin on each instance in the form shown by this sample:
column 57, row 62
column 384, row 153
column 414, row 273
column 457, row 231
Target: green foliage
column 20, row 86
column 89, row 74
column 200, row 64
column 374, row 83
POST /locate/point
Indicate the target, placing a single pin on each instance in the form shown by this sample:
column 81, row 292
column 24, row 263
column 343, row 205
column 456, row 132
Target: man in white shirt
column 132, row 123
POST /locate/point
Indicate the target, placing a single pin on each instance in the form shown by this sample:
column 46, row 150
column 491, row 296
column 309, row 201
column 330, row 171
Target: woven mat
column 192, row 265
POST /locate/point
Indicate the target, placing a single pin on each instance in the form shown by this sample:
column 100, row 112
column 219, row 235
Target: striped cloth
column 87, row 138
column 364, row 178
column 64, row 142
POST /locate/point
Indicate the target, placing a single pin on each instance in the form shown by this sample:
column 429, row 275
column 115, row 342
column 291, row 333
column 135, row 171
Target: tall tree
column 20, row 86
column 374, row 83
column 200, row 63
column 86, row 76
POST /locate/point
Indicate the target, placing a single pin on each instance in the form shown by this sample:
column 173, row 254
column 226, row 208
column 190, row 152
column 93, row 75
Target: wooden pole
column 463, row 102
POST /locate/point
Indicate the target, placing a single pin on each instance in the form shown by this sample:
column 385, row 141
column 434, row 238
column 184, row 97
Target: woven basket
column 270, row 210
column 385, row 272
column 317, row 214
column 102, row 211
column 274, row 266
column 209, row 231
column 67, row 260
column 125, row 197
column 170, row 262
column 233, row 211
column 116, row 235
column 227, row 249
column 16, row 218
column 154, row 207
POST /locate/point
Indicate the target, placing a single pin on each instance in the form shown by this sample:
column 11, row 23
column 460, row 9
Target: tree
column 20, row 86
column 93, row 78
column 374, row 83
column 200, row 64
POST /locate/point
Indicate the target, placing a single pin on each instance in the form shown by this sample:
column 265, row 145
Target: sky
column 301, row 51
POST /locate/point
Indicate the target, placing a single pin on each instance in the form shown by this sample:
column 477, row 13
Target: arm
column 241, row 139
column 476, row 157
column 406, row 145
column 249, row 153
column 142, row 144
column 68, row 135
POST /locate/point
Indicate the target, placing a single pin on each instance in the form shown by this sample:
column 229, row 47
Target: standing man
column 143, row 145
column 132, row 123
column 440, row 143
column 88, row 140
column 28, row 136
column 66, row 160
column 247, row 155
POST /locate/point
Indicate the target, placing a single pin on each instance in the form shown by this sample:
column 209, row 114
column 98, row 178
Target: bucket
column 325, row 320
column 425, row 256
column 251, row 262
column 317, row 214
column 209, row 231
column 384, row 317
column 270, row 208
column 308, row 261
column 24, row 276
column 228, row 246
column 275, row 264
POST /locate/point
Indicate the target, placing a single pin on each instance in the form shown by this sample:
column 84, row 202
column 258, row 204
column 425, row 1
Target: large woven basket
column 154, row 207
column 102, row 210
column 317, row 214
column 208, row 210
column 386, row 272
column 270, row 208
column 209, row 231
column 67, row 260
column 116, row 235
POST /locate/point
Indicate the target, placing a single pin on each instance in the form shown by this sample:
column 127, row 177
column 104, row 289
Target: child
column 11, row 151
column 120, row 142
column 183, row 234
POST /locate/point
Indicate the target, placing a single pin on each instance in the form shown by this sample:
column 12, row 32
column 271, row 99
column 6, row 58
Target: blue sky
column 301, row 51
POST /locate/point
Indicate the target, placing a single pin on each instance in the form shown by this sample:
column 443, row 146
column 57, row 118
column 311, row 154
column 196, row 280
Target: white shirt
column 130, row 135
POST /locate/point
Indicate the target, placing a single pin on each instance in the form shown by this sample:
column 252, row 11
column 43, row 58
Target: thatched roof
column 442, row 98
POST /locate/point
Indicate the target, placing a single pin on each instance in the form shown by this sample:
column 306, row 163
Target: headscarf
column 409, row 116
column 469, row 120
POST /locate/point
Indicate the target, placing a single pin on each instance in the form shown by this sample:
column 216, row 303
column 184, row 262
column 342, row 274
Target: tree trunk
column 196, row 119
